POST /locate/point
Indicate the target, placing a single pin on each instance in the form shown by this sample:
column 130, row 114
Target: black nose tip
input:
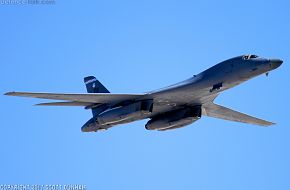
column 275, row 63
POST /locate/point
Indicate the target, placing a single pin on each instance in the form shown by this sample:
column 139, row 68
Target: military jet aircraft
column 168, row 108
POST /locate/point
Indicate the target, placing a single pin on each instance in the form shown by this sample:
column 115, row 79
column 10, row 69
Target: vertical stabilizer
column 95, row 86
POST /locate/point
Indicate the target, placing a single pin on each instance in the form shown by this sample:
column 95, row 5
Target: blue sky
column 133, row 47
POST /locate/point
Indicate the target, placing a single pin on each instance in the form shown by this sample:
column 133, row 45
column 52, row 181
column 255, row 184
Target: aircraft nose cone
column 275, row 63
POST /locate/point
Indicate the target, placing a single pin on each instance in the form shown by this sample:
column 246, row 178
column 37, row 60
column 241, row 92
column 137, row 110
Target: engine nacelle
column 174, row 119
column 121, row 113
column 92, row 126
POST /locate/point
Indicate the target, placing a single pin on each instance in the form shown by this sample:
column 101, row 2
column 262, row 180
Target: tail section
column 95, row 86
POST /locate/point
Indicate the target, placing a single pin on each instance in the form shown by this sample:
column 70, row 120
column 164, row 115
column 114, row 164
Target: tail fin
column 95, row 86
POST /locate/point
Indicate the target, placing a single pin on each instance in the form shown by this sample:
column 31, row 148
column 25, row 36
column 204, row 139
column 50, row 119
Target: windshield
column 246, row 57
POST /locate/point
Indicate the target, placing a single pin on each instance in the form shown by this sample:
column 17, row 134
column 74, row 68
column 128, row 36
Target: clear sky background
column 134, row 47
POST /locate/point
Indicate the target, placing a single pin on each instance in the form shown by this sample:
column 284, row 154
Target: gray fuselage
column 205, row 87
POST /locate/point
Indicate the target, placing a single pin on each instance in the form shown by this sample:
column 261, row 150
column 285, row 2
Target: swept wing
column 89, row 98
column 221, row 112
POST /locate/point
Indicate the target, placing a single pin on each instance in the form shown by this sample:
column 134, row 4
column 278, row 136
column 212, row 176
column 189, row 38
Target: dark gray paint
column 199, row 90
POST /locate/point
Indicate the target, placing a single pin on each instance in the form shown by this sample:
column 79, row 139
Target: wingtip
column 269, row 124
column 9, row 93
column 273, row 124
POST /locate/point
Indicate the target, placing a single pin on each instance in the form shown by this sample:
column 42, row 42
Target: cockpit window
column 253, row 56
column 247, row 57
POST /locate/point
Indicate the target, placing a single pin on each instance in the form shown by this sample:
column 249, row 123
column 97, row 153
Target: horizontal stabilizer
column 64, row 104
column 217, row 111
column 90, row 97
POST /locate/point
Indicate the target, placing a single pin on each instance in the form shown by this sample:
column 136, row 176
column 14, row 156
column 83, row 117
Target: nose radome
column 275, row 63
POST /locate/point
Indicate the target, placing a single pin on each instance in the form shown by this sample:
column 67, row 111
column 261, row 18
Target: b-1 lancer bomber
column 168, row 108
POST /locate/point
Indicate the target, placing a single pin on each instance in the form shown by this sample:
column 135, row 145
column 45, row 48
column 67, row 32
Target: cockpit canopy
column 247, row 57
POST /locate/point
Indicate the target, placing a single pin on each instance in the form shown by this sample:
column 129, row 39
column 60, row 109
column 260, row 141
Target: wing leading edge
column 217, row 111
column 88, row 98
column 70, row 103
